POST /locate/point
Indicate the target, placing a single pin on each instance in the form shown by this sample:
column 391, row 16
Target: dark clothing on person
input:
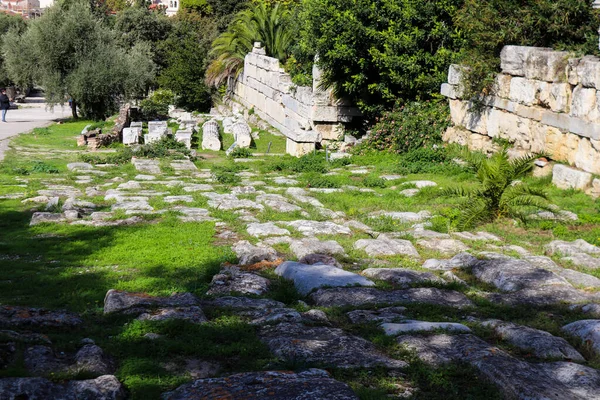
column 4, row 102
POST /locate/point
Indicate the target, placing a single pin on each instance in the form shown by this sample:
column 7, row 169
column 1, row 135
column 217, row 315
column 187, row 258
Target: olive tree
column 73, row 55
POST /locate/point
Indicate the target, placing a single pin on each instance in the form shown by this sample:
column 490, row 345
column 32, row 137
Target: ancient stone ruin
column 542, row 101
column 305, row 115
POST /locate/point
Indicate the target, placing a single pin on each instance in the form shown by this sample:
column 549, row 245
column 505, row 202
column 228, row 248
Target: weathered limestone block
column 298, row 149
column 502, row 86
column 547, row 65
column 587, row 157
column 241, row 133
column 210, row 136
column 132, row 135
column 561, row 146
column 594, row 191
column 566, row 177
column 583, row 103
column 462, row 115
column 185, row 137
column 455, row 74
column 450, row 91
column 523, row 90
column 157, row 128
column 556, row 96
column 587, row 72
column 472, row 140
column 513, row 59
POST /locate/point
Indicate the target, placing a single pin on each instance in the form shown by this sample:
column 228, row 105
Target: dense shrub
column 156, row 106
column 373, row 181
column 306, row 163
column 240, row 152
column 438, row 160
column 167, row 147
column 320, row 181
column 377, row 52
column 489, row 25
column 408, row 127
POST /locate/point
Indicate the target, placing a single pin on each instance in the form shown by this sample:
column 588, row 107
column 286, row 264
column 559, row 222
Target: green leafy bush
column 376, row 52
column 42, row 167
column 240, row 152
column 306, row 163
column 373, row 181
column 165, row 147
column 156, row 106
column 411, row 126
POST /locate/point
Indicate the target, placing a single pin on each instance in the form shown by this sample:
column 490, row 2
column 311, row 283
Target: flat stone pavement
column 32, row 114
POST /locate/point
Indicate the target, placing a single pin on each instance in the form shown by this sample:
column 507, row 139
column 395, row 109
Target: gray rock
column 401, row 276
column 514, row 378
column 233, row 280
column 404, row 217
column 270, row 316
column 195, row 368
column 265, row 229
column 574, row 277
column 285, row 181
column 197, row 187
column 276, row 385
column 340, row 297
column 391, row 177
column 565, row 177
column 45, row 217
column 319, row 259
column 193, row 314
column 90, row 359
column 409, row 192
column 588, row 330
column 106, row 387
column 37, row 318
column 512, row 275
column 583, row 260
column 324, row 346
column 384, row 246
column 249, row 254
column 540, row 343
column 277, row 202
column 571, row 248
column 443, row 246
column 314, row 228
column 41, row 360
column 426, row 234
column 228, row 203
column 481, row 236
column 387, row 314
column 147, row 166
column 79, row 166
column 142, row 177
column 242, row 303
column 131, row 185
column 408, row 326
column 137, row 303
column 316, row 316
column 462, row 260
column 179, row 199
column 309, row 277
column 304, row 247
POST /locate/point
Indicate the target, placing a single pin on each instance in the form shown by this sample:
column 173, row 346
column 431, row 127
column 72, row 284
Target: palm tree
column 499, row 192
column 261, row 22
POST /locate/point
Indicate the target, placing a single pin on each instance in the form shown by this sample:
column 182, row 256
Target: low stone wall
column 543, row 101
column 305, row 115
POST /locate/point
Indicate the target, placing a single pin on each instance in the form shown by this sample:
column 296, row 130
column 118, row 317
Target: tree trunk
column 74, row 109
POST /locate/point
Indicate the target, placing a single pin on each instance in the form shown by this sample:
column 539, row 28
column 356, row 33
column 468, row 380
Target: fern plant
column 499, row 193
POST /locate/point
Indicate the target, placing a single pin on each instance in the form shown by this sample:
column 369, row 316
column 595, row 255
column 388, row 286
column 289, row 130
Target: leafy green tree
column 8, row 22
column 185, row 51
column 261, row 22
column 499, row 192
column 73, row 55
column 374, row 52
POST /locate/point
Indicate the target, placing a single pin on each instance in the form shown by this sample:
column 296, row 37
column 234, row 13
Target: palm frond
column 458, row 191
column 473, row 213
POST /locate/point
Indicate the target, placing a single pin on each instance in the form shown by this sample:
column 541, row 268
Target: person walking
column 4, row 104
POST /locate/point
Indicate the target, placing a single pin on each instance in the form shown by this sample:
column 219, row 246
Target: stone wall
column 305, row 115
column 543, row 101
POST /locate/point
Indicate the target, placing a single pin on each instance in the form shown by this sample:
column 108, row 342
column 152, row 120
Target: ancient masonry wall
column 543, row 100
column 305, row 115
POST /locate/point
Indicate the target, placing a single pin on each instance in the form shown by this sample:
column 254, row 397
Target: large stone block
column 185, row 137
column 464, row 115
column 132, row 135
column 502, row 86
column 513, row 58
column 588, row 72
column 450, row 91
column 561, row 146
column 523, row 91
column 455, row 74
column 275, row 110
column 587, row 157
column 583, row 103
column 556, row 96
column 547, row 65
column 298, row 149
column 296, row 106
column 565, row 177
column 330, row 131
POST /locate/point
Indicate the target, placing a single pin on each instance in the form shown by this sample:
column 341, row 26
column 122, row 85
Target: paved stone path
column 32, row 114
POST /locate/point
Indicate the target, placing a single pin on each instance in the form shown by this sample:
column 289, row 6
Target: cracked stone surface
column 305, row 247
column 409, row 326
column 313, row 228
column 12, row 317
column 444, row 246
column 384, row 246
column 340, row 297
column 324, row 346
column 540, row 343
column 233, row 280
column 248, row 254
column 401, row 276
column 386, row 314
column 588, row 330
column 106, row 387
column 138, row 303
column 309, row 277
column 276, row 385
column 265, row 229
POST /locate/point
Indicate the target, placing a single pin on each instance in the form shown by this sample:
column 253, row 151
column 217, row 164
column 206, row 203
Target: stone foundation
column 543, row 101
column 305, row 115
